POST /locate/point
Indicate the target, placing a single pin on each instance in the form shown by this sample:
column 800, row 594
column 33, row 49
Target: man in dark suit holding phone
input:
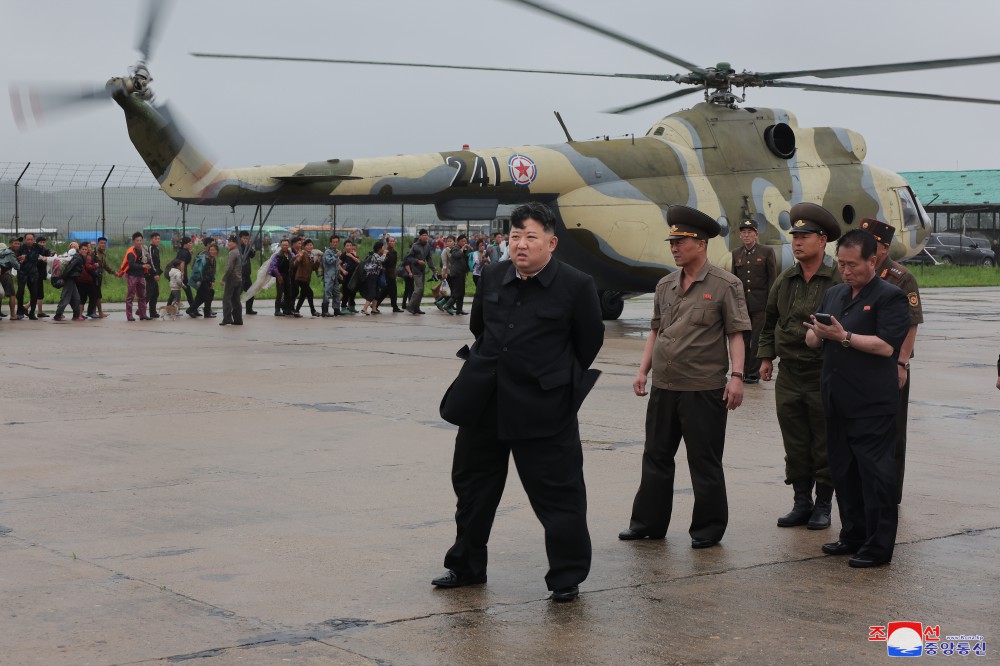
column 870, row 320
column 538, row 328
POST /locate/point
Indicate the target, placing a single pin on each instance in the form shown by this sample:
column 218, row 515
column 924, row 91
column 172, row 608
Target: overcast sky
column 248, row 113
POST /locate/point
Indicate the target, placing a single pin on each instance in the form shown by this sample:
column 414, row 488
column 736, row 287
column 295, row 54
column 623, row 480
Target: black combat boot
column 803, row 506
column 326, row 310
column 820, row 518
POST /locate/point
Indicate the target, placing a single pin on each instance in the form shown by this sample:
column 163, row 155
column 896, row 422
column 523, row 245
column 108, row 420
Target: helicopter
column 721, row 156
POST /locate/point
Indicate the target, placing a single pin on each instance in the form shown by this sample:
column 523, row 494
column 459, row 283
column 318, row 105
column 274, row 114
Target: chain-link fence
column 82, row 201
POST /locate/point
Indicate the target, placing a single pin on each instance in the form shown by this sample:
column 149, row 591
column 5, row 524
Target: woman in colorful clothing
column 374, row 269
column 304, row 266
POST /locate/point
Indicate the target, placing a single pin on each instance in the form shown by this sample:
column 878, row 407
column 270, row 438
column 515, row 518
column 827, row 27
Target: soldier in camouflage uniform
column 757, row 269
column 796, row 294
column 894, row 274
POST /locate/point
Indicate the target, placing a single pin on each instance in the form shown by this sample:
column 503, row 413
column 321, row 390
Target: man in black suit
column 538, row 328
column 860, row 385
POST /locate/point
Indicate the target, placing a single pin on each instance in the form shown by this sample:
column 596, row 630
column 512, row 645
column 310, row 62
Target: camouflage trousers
column 799, row 404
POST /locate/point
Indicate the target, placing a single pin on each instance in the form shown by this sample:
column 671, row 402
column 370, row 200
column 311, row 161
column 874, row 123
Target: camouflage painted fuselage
column 611, row 195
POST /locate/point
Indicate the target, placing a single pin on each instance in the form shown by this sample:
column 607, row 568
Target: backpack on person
column 198, row 271
column 58, row 266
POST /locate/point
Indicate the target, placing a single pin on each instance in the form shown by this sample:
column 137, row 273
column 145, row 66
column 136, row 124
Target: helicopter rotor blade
column 32, row 104
column 601, row 30
column 863, row 70
column 656, row 100
column 877, row 93
column 150, row 26
column 231, row 56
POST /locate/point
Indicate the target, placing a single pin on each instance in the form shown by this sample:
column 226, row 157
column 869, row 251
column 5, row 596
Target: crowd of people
column 345, row 276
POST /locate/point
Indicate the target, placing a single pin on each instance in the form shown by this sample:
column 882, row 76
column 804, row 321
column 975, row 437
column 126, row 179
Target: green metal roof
column 955, row 188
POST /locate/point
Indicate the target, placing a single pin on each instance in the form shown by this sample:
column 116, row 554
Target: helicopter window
column 848, row 214
column 658, row 131
column 785, row 220
column 912, row 217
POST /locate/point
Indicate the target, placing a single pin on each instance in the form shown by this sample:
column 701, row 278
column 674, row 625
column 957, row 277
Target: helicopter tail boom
column 183, row 171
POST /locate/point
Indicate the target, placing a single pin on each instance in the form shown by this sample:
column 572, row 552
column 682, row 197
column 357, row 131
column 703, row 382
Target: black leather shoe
column 452, row 579
column 632, row 535
column 565, row 594
column 751, row 380
column 251, row 312
column 839, row 548
column 863, row 562
column 703, row 543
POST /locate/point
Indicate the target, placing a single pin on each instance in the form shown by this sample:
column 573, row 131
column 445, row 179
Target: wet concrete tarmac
column 279, row 493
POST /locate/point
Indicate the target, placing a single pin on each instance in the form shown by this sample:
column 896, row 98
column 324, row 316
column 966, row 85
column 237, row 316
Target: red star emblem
column 522, row 169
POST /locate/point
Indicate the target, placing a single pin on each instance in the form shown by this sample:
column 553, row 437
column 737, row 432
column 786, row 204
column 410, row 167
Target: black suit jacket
column 855, row 384
column 535, row 342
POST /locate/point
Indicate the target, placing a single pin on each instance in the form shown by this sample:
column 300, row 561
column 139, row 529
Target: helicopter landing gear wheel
column 612, row 304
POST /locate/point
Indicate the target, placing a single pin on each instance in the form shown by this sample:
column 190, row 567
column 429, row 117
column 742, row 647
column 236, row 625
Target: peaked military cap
column 748, row 223
column 686, row 222
column 882, row 232
column 814, row 219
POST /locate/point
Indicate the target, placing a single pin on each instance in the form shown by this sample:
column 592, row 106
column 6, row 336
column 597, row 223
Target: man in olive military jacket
column 796, row 294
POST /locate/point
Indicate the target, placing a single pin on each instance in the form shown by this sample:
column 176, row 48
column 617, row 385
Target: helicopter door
column 910, row 210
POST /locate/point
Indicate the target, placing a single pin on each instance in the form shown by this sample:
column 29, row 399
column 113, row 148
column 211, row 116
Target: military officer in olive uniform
column 796, row 294
column 894, row 274
column 757, row 269
column 698, row 309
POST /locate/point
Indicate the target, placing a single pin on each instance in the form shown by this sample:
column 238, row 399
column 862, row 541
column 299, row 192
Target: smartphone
column 823, row 318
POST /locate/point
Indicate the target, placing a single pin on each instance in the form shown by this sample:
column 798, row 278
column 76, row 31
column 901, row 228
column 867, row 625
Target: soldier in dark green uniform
column 893, row 273
column 757, row 269
column 796, row 294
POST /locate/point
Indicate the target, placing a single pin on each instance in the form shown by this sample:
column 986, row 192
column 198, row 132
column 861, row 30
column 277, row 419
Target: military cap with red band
column 882, row 232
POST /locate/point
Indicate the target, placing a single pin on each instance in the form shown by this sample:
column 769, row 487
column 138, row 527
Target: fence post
column 104, row 217
column 17, row 209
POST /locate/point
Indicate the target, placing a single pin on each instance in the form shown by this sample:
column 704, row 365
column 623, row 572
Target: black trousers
column 864, row 475
column 288, row 298
column 88, row 297
column 407, row 290
column 246, row 287
column 33, row 285
column 391, row 291
column 188, row 295
column 457, row 298
column 700, row 418
column 152, row 294
column 551, row 471
column 204, row 297
column 901, row 415
column 305, row 294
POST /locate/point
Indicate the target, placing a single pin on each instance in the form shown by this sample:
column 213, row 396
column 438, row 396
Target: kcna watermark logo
column 913, row 639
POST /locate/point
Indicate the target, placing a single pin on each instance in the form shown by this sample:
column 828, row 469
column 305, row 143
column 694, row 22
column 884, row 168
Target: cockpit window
column 914, row 215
